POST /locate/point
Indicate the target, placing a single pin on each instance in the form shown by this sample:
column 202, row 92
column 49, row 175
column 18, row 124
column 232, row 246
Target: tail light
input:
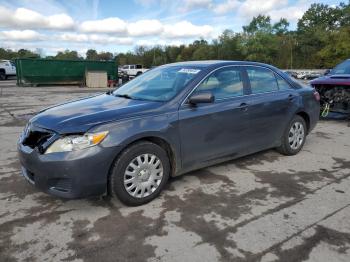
column 317, row 95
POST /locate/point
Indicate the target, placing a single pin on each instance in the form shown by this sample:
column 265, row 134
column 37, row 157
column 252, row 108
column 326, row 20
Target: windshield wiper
column 124, row 96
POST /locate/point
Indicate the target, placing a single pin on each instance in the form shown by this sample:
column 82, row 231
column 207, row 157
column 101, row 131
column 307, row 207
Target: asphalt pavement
column 263, row 207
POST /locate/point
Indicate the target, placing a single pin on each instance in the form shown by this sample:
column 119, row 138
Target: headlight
column 76, row 142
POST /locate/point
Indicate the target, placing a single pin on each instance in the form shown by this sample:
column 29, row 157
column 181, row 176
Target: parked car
column 132, row 70
column 292, row 74
column 334, row 89
column 7, row 68
column 171, row 120
column 311, row 75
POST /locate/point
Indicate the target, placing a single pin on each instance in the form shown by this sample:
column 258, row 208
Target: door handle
column 243, row 106
column 291, row 97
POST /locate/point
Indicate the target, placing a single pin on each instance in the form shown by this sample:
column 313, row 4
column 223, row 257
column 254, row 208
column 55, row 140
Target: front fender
column 124, row 132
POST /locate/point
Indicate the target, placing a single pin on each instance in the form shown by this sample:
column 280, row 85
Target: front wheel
column 139, row 174
column 2, row 75
column 294, row 137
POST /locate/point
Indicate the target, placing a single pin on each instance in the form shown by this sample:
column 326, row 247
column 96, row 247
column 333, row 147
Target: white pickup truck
column 132, row 70
column 7, row 68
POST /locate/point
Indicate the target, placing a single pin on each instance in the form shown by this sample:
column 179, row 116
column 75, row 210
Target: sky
column 48, row 26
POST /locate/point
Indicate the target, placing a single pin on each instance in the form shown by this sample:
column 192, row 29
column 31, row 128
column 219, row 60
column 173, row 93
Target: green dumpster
column 33, row 72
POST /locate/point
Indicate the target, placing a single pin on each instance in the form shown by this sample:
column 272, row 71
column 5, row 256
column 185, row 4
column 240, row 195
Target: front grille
column 35, row 137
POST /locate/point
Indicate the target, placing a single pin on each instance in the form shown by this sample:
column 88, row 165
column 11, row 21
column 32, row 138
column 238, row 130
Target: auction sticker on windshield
column 189, row 71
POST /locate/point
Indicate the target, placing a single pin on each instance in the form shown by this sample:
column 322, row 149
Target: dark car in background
column 334, row 89
column 168, row 121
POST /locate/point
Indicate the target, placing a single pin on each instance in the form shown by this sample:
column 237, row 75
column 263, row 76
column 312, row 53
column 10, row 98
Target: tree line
column 321, row 40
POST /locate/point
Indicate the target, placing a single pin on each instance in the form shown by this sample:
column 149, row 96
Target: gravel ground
column 264, row 207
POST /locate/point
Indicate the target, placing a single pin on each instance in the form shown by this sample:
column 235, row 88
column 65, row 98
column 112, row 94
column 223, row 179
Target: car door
column 270, row 106
column 12, row 68
column 215, row 130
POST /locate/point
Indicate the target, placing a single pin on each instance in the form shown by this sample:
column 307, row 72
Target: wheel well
column 2, row 70
column 156, row 140
column 306, row 117
column 166, row 146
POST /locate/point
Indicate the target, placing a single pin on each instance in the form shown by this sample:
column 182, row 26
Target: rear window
column 262, row 80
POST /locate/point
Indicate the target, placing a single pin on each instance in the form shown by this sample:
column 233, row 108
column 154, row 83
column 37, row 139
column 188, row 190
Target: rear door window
column 262, row 80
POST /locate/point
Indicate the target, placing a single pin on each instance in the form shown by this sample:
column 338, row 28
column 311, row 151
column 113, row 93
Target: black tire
column 2, row 75
column 116, row 180
column 138, row 73
column 286, row 148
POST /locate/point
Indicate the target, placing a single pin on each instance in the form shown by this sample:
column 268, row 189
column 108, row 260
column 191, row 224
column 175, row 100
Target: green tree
column 68, row 55
column 261, row 23
column 105, row 56
column 229, row 46
column 336, row 48
column 320, row 16
column 91, row 54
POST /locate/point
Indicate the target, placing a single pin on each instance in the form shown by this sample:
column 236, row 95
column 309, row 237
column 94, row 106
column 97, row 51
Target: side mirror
column 205, row 97
column 327, row 72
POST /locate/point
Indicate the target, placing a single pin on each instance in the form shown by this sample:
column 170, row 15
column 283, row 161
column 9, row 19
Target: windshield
column 159, row 84
column 342, row 68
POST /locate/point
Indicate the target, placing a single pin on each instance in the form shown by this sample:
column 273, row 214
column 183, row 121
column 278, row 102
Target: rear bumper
column 314, row 117
column 74, row 174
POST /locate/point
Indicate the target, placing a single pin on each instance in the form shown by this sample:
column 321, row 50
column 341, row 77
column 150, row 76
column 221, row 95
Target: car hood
column 332, row 80
column 80, row 115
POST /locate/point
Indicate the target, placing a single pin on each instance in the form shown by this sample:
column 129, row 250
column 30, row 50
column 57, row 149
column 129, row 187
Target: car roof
column 216, row 63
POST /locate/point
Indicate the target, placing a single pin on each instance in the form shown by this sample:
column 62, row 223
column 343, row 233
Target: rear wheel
column 294, row 137
column 140, row 173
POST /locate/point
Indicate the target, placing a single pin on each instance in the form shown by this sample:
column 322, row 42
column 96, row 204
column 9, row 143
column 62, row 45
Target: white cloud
column 105, row 39
column 60, row 21
column 18, row 35
column 162, row 42
column 256, row 7
column 226, row 7
column 291, row 13
column 73, row 37
column 28, row 19
column 186, row 29
column 249, row 8
column 93, row 38
column 5, row 15
column 141, row 28
column 189, row 5
column 108, row 25
column 145, row 28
